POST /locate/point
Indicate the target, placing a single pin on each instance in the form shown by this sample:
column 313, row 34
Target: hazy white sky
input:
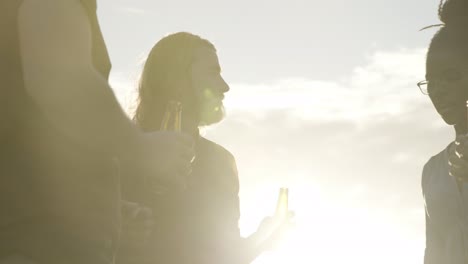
column 261, row 40
column 323, row 99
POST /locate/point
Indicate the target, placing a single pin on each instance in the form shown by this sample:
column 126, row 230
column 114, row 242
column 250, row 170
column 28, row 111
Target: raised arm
column 56, row 50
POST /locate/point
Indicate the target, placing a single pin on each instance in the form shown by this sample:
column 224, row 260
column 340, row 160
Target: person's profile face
column 208, row 85
column 448, row 86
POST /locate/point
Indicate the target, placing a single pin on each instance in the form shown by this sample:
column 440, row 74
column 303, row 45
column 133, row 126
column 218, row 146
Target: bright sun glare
column 329, row 233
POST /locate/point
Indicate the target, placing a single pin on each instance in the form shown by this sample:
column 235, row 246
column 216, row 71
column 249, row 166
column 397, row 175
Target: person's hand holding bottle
column 458, row 159
column 273, row 229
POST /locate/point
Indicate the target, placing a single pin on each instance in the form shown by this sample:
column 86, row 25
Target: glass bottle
column 172, row 119
column 282, row 204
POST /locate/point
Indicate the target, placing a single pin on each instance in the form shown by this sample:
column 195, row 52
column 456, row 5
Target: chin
column 212, row 118
column 452, row 114
column 215, row 119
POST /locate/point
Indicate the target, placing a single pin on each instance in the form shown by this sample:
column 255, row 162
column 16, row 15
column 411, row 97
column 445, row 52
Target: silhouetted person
column 445, row 194
column 200, row 224
column 61, row 130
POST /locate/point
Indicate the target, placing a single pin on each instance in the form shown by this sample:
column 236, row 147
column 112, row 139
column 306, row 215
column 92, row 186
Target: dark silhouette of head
column 182, row 67
column 447, row 63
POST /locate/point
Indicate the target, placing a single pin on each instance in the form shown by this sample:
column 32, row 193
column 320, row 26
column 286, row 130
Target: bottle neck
column 460, row 129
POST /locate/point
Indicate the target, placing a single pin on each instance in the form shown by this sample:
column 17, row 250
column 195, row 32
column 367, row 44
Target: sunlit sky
column 323, row 100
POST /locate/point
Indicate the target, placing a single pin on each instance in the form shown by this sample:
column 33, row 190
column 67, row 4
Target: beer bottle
column 172, row 119
column 282, row 204
column 281, row 214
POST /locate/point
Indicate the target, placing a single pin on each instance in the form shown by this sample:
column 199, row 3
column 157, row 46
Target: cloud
column 386, row 85
column 361, row 140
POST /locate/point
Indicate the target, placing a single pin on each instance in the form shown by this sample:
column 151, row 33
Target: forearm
column 58, row 70
column 83, row 107
column 252, row 248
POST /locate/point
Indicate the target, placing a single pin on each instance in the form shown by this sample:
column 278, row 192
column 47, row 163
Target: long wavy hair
column 166, row 76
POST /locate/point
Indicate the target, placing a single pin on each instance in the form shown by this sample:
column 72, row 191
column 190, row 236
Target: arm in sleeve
column 56, row 50
column 434, row 241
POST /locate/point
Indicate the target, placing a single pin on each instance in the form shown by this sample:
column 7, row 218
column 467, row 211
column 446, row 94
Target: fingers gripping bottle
column 172, row 119
column 460, row 181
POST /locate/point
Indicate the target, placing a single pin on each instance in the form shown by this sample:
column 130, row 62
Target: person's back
column 58, row 198
column 12, row 94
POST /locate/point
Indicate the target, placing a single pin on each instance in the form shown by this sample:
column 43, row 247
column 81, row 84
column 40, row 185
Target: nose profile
column 225, row 87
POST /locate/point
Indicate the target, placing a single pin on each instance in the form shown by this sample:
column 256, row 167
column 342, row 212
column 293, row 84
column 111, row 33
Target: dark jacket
column 200, row 225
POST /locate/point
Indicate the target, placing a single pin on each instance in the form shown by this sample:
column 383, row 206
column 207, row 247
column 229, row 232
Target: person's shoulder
column 215, row 149
column 439, row 158
column 435, row 164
